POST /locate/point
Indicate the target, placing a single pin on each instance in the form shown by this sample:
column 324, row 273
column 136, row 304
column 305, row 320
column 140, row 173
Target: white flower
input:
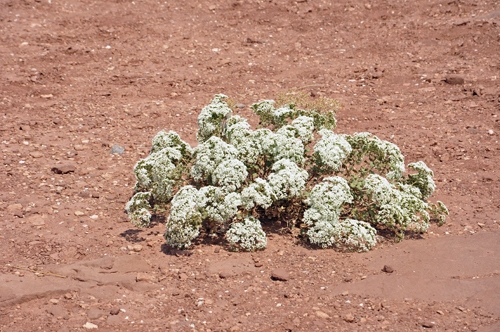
column 332, row 149
column 184, row 220
column 305, row 127
column 170, row 140
column 288, row 131
column 217, row 204
column 326, row 200
column 258, row 193
column 288, row 179
column 209, row 155
column 211, row 118
column 387, row 157
column 138, row 209
column 155, row 173
column 230, row 174
column 238, row 133
column 265, row 141
column 397, row 207
column 423, row 180
column 247, row 235
column 380, row 189
column 263, row 108
column 288, row 147
column 282, row 113
column 355, row 234
column 237, row 129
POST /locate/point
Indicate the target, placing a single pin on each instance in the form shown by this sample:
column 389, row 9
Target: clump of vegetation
column 337, row 189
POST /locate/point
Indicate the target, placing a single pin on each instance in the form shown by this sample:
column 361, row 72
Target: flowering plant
column 338, row 189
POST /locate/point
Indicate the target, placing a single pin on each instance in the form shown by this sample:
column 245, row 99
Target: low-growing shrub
column 337, row 189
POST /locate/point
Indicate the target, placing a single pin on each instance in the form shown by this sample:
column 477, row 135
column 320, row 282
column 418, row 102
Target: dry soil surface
column 80, row 76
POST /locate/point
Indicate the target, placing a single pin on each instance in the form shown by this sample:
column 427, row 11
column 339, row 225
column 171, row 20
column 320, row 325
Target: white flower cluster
column 288, row 179
column 280, row 114
column 190, row 206
column 332, row 149
column 209, row 155
column 305, row 127
column 230, row 174
column 172, row 140
column 237, row 130
column 185, row 219
column 138, row 209
column 355, row 234
column 247, row 235
column 217, row 204
column 210, row 120
column 283, row 144
column 263, row 108
column 397, row 207
column 378, row 150
column 288, row 147
column 258, row 193
column 423, row 179
column 155, row 172
column 326, row 200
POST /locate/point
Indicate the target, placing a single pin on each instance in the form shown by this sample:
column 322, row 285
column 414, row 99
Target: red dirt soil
column 78, row 77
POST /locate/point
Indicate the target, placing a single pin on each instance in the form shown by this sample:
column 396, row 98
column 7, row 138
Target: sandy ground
column 77, row 77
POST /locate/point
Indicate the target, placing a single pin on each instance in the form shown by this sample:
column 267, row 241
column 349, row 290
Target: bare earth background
column 80, row 76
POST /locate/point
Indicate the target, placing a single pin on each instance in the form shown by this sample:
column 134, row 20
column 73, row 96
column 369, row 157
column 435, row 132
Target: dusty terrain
column 77, row 77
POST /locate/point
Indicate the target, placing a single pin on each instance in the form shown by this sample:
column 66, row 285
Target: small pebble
column 117, row 149
column 280, row 274
column 388, row 269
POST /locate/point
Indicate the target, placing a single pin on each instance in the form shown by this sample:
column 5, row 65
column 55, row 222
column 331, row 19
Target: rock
column 135, row 247
column 117, row 149
column 141, row 276
column 183, row 276
column 224, row 274
column 90, row 326
column 387, row 269
column 79, row 147
column 114, row 311
column 348, row 279
column 428, row 324
column 368, row 6
column 64, row 169
column 491, row 132
column 322, row 314
column 454, row 79
column 217, row 250
column 349, row 318
column 377, row 75
column 258, row 264
column 280, row 274
column 240, row 105
column 79, row 213
column 95, row 313
column 36, row 154
column 54, row 301
column 14, row 207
